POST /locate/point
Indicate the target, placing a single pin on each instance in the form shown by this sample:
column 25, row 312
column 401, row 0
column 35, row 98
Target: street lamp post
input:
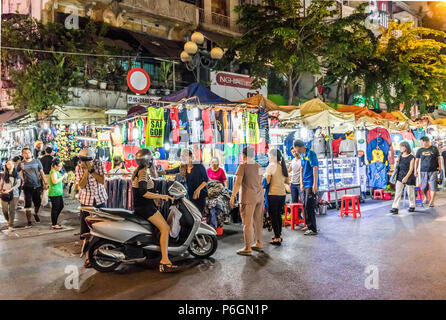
column 196, row 57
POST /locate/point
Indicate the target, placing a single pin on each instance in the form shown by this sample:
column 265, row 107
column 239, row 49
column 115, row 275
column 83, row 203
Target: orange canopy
column 260, row 100
column 361, row 112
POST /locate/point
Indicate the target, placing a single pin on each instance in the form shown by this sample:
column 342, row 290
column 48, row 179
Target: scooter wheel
column 98, row 263
column 205, row 247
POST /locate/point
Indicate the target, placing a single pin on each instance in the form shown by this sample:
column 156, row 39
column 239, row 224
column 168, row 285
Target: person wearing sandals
column 428, row 161
column 55, row 192
column 276, row 176
column 144, row 205
column 249, row 182
column 405, row 178
column 9, row 187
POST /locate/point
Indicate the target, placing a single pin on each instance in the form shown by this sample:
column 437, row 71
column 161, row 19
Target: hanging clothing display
column 175, row 125
column 377, row 173
column 195, row 125
column 184, row 125
column 207, row 126
column 379, row 132
column 155, row 127
column 252, row 128
column 320, row 147
column 219, row 128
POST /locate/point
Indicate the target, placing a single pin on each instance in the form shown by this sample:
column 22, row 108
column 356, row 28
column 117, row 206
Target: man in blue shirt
column 309, row 183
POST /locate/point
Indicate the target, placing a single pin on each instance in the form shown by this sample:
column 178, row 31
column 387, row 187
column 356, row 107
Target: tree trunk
column 290, row 88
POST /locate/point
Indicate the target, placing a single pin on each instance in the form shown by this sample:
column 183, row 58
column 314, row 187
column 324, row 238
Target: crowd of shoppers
column 40, row 178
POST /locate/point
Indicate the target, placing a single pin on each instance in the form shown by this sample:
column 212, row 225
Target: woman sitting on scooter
column 145, row 206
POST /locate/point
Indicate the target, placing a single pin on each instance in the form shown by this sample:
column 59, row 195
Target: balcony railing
column 219, row 20
column 174, row 9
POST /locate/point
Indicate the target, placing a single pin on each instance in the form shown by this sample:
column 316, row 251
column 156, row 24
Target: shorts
column 146, row 211
column 32, row 195
column 429, row 179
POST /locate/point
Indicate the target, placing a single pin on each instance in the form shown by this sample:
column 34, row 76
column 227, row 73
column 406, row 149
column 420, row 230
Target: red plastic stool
column 345, row 208
column 294, row 214
column 378, row 194
column 219, row 231
column 420, row 195
column 387, row 195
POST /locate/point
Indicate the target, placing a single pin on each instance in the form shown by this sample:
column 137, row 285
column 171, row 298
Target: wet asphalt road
column 406, row 252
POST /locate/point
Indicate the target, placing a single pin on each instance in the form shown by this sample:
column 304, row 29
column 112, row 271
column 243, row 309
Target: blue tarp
column 196, row 89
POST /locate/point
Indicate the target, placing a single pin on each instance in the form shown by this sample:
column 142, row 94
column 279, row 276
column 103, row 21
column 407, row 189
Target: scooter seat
column 126, row 214
column 116, row 211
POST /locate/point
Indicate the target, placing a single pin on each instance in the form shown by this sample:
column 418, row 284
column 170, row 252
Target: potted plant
column 165, row 76
column 93, row 79
column 103, row 73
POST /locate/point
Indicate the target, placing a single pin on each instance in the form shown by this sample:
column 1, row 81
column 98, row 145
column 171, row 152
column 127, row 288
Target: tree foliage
column 40, row 77
column 278, row 33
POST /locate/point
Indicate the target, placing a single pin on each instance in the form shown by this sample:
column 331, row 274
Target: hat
column 299, row 143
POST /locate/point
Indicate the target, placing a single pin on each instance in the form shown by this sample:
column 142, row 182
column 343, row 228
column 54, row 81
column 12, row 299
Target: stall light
column 397, row 139
column 167, row 146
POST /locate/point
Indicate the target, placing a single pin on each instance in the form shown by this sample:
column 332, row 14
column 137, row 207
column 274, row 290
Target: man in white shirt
column 294, row 170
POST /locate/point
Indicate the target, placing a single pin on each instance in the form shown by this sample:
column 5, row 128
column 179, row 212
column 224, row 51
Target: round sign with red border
column 138, row 80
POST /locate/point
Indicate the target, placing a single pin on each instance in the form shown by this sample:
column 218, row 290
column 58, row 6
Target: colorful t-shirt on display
column 184, row 125
column 219, row 127
column 232, row 152
column 228, row 125
column 263, row 124
column 168, row 127
column 237, row 128
column 252, row 128
column 195, row 125
column 175, row 125
column 130, row 157
column 155, row 127
column 207, row 129
column 418, row 133
column 397, row 138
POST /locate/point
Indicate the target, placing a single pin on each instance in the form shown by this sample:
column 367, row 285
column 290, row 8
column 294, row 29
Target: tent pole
column 332, row 167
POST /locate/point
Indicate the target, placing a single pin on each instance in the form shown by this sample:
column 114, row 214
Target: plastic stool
column 387, row 195
column 345, row 208
column 219, row 231
column 378, row 194
column 294, row 214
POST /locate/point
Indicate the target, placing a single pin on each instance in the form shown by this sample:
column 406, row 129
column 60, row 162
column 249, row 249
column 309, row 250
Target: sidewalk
column 69, row 219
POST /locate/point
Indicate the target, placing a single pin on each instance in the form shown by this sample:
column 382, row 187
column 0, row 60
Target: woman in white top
column 276, row 177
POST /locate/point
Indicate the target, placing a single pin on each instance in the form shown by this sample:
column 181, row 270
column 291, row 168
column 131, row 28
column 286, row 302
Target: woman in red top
column 217, row 173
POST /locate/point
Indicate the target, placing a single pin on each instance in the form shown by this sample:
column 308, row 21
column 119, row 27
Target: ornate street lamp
column 195, row 56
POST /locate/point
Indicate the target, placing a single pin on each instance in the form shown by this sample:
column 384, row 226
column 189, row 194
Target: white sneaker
column 310, row 233
column 304, row 229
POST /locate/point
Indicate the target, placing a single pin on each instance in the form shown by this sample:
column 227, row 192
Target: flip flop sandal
column 168, row 268
column 255, row 248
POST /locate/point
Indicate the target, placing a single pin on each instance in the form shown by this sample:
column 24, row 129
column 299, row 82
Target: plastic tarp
column 265, row 103
column 204, row 95
column 337, row 121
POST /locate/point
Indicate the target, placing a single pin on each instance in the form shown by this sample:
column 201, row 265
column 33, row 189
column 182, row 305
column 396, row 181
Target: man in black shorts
column 33, row 179
column 429, row 161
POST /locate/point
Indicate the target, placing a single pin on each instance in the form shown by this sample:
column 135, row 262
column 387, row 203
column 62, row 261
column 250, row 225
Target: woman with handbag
column 9, row 187
column 405, row 177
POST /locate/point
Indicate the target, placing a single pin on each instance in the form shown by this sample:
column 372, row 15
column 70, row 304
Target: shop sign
column 234, row 86
column 136, row 99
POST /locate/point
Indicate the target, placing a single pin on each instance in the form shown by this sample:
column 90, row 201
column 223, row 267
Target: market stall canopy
column 68, row 114
column 310, row 107
column 265, row 103
column 365, row 112
column 11, row 115
column 203, row 94
column 337, row 121
column 313, row 106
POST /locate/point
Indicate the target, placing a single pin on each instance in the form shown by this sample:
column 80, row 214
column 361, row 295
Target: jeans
column 56, row 208
column 296, row 194
column 83, row 215
column 8, row 209
column 310, row 209
column 275, row 210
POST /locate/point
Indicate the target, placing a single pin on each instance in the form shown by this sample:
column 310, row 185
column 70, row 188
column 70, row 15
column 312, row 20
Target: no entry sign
column 138, row 80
